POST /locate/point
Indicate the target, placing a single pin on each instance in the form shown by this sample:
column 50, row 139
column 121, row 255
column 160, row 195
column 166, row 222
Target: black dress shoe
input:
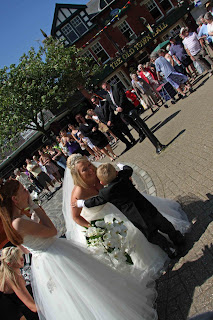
column 160, row 148
column 171, row 252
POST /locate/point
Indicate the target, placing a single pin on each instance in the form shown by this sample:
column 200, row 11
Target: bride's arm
column 76, row 194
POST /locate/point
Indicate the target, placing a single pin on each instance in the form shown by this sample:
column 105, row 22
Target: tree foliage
column 43, row 80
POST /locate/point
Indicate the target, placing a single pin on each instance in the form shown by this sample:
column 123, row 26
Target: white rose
column 100, row 224
column 118, row 255
column 91, row 232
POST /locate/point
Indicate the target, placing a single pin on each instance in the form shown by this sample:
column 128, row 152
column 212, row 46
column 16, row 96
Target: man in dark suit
column 120, row 191
column 116, row 125
column 118, row 101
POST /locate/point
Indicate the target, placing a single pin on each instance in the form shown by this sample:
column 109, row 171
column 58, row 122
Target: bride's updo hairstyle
column 9, row 256
column 7, row 191
column 72, row 161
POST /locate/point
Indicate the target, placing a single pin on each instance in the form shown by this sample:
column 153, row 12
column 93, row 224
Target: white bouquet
column 109, row 238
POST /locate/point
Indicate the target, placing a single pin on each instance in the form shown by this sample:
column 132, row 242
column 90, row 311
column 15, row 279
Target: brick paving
column 183, row 172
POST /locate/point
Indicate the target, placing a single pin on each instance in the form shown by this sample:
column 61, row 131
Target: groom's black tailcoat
column 103, row 111
column 122, row 194
column 118, row 127
column 121, row 100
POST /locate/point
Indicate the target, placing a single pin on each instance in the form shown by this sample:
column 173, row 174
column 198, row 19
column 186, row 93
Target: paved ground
column 184, row 172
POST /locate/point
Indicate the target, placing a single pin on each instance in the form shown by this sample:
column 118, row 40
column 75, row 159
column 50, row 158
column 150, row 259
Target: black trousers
column 163, row 225
column 144, row 128
column 126, row 118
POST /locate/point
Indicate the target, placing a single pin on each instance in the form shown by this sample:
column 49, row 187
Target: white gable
column 58, row 22
column 66, row 12
column 61, row 16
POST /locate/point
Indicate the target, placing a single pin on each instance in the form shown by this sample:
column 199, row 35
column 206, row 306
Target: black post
column 142, row 125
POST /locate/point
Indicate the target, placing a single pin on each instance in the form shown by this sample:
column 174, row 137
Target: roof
column 93, row 7
column 58, row 6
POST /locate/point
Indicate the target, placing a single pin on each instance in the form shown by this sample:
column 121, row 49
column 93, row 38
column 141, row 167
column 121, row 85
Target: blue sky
column 20, row 24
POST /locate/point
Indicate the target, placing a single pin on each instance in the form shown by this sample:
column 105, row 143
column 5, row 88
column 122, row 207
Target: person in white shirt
column 195, row 50
column 209, row 19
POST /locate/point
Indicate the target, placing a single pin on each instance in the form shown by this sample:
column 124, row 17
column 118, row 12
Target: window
column 126, row 30
column 166, row 5
column 70, row 33
column 154, row 9
column 88, row 54
column 121, row 79
column 174, row 32
column 100, row 52
column 75, row 29
column 114, row 80
column 79, row 26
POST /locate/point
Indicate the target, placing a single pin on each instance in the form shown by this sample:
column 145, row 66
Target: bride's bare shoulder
column 77, row 192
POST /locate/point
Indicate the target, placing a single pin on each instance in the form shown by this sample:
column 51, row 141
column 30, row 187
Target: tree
column 43, row 80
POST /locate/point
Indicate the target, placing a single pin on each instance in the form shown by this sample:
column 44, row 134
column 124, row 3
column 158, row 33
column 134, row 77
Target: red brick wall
column 134, row 12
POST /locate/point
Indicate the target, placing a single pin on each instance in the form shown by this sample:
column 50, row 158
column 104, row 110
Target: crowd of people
column 74, row 280
column 61, row 268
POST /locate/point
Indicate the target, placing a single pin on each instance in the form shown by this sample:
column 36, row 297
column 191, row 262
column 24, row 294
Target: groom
column 120, row 191
column 114, row 122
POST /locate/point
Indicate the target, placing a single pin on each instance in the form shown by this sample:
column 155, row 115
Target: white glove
column 32, row 204
column 80, row 203
column 120, row 166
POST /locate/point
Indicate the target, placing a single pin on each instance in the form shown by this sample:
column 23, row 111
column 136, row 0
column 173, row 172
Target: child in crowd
column 120, row 191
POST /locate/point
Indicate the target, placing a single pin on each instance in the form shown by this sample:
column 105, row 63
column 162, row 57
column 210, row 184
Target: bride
column 81, row 182
column 68, row 283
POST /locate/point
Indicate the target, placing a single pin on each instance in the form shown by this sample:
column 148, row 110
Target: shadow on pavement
column 176, row 288
column 161, row 124
column 202, row 83
column 181, row 132
column 198, row 79
column 152, row 114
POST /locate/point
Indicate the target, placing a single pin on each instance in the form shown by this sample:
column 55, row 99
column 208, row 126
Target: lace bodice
column 37, row 245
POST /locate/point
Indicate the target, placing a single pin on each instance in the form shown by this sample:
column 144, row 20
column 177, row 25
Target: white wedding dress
column 147, row 258
column 70, row 284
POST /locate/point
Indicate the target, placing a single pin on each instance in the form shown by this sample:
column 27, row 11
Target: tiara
column 73, row 159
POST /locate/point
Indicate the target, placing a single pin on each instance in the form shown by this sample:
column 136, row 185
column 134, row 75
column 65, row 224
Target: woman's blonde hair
column 9, row 256
column 72, row 161
column 7, row 190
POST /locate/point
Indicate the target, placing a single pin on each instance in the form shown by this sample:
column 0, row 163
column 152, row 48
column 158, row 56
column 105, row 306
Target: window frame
column 172, row 6
column 169, row 33
column 89, row 54
column 125, row 22
column 156, row 5
column 98, row 43
column 66, row 34
column 123, row 79
column 81, row 22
